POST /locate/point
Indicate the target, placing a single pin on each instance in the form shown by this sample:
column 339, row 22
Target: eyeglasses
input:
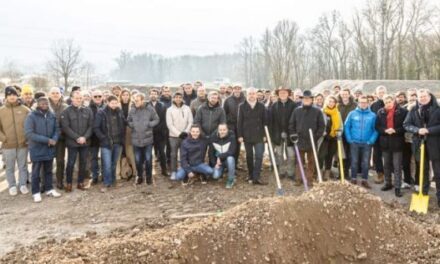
column 97, row 96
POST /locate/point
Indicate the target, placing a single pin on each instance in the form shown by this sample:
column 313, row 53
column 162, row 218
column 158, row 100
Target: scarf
column 335, row 117
column 390, row 117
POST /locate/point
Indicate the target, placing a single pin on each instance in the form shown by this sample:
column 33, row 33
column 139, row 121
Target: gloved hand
column 283, row 135
column 294, row 138
column 183, row 135
column 339, row 133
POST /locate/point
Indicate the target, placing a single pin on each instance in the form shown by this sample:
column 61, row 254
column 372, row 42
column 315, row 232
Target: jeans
column 229, row 163
column 94, row 164
column 175, row 143
column 18, row 156
column 60, row 149
column 201, row 168
column 72, row 153
column 47, row 180
column 392, row 162
column 109, row 160
column 360, row 151
column 144, row 156
column 254, row 165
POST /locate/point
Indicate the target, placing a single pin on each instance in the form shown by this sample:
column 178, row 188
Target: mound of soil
column 333, row 223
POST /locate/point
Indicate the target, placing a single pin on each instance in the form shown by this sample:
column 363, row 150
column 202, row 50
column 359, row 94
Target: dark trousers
column 327, row 151
column 377, row 157
column 47, row 177
column 254, row 159
column 159, row 148
column 436, row 169
column 406, row 163
column 60, row 149
column 72, row 153
column 392, row 162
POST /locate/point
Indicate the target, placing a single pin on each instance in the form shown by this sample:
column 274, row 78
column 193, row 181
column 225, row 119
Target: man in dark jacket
column 109, row 128
column 160, row 131
column 389, row 124
column 96, row 105
column 77, row 125
column 142, row 119
column 304, row 118
column 281, row 111
column 167, row 100
column 208, row 117
column 188, row 94
column 199, row 101
column 224, row 143
column 231, row 111
column 424, row 122
column 192, row 156
column 250, row 131
column 57, row 106
column 345, row 106
column 42, row 133
column 377, row 152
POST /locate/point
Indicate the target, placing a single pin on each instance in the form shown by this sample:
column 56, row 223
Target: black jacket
column 376, row 106
column 166, row 101
column 102, row 123
column 251, row 122
column 224, row 147
column 209, row 118
column 280, row 114
column 231, row 110
column 394, row 142
column 414, row 122
column 77, row 122
column 160, row 131
column 188, row 98
column 303, row 119
column 94, row 140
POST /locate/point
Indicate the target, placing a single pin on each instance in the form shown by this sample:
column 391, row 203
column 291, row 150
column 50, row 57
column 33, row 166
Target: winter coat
column 192, row 153
column 280, row 114
column 251, row 122
column 39, row 128
column 396, row 141
column 160, row 131
column 94, row 140
column 414, row 122
column 376, row 106
column 209, row 117
column 187, row 99
column 196, row 103
column 57, row 109
column 303, row 119
column 231, row 106
column 360, row 127
column 77, row 122
column 142, row 120
column 346, row 109
column 224, row 147
column 179, row 119
column 12, row 118
column 166, row 101
column 102, row 126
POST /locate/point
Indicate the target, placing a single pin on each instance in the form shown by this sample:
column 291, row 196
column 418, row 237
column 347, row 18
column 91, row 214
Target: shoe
column 365, row 184
column 387, row 187
column 379, row 178
column 165, row 173
column 203, row 178
column 81, row 186
column 60, row 186
column 398, row 192
column 13, row 191
column 104, row 189
column 139, row 180
column 53, row 193
column 327, row 175
column 259, row 182
column 94, row 181
column 187, row 181
column 37, row 197
column 173, row 176
column 249, row 180
column 24, row 189
column 230, row 183
column 68, row 187
column 354, row 181
column 416, row 188
column 405, row 185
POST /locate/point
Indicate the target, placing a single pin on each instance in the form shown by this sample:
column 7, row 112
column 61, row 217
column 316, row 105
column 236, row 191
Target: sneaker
column 203, row 178
column 53, row 193
column 405, row 186
column 13, row 191
column 173, row 176
column 24, row 189
column 37, row 197
column 229, row 184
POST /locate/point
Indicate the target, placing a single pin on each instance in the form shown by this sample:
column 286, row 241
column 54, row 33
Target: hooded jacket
column 303, row 119
column 77, row 122
column 209, row 117
column 142, row 120
column 12, row 118
column 102, row 126
column 224, row 147
column 360, row 127
column 179, row 119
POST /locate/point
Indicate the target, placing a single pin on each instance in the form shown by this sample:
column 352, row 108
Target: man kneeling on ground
column 224, row 144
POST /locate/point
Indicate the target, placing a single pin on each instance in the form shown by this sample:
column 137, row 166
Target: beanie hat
column 27, row 89
column 10, row 90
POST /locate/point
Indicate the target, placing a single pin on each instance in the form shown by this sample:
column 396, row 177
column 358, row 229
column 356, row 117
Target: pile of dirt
column 333, row 223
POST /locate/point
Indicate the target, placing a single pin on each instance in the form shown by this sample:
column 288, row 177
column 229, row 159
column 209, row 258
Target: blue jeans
column 47, row 169
column 144, row 155
column 254, row 166
column 201, row 168
column 229, row 163
column 94, row 165
column 72, row 152
column 109, row 160
column 360, row 152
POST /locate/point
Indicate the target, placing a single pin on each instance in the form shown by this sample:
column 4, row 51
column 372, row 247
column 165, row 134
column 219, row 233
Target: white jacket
column 179, row 119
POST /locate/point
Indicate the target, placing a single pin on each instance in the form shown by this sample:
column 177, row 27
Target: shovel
column 300, row 164
column 420, row 202
column 280, row 190
column 341, row 156
column 315, row 155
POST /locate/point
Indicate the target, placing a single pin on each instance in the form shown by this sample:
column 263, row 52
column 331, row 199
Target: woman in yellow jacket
column 329, row 145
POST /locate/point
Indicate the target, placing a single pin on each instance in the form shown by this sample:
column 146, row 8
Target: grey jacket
column 77, row 122
column 209, row 118
column 142, row 120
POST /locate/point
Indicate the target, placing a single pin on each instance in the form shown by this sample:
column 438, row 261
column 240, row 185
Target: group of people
column 196, row 134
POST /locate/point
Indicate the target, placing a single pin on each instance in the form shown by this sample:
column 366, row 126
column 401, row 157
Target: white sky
column 105, row 27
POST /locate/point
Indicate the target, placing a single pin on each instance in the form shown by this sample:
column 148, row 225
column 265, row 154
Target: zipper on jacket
column 15, row 128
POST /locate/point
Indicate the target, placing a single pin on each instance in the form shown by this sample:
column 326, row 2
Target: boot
column 354, row 181
column 387, row 187
column 379, row 178
column 68, row 187
column 327, row 175
column 365, row 184
column 397, row 192
column 81, row 186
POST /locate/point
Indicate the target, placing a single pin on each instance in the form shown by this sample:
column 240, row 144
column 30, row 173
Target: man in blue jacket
column 42, row 132
column 361, row 134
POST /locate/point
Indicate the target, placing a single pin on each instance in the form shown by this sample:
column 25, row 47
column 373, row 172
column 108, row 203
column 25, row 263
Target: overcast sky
column 105, row 27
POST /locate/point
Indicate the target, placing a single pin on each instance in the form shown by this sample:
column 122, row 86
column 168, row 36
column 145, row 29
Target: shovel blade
column 419, row 203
